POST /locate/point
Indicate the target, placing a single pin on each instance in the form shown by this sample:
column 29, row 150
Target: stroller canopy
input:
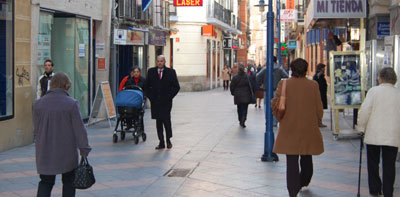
column 130, row 98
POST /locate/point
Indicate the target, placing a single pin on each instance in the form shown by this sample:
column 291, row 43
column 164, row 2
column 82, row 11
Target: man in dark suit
column 162, row 86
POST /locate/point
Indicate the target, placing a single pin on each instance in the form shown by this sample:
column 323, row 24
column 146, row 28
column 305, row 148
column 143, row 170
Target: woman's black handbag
column 252, row 96
column 83, row 175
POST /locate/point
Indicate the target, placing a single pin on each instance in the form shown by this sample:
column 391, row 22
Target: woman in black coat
column 323, row 87
column 240, row 89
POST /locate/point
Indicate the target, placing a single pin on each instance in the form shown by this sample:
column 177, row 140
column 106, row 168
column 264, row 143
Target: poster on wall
column 44, row 49
column 346, row 67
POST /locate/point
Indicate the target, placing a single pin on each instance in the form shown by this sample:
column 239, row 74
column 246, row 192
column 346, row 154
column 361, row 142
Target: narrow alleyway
column 215, row 156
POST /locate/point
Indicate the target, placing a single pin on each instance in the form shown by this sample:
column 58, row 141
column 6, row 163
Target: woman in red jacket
column 132, row 79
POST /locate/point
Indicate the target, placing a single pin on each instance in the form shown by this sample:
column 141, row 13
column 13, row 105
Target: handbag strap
column 251, row 88
column 84, row 161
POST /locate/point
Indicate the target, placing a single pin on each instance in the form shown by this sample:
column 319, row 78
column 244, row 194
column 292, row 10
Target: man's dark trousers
column 164, row 123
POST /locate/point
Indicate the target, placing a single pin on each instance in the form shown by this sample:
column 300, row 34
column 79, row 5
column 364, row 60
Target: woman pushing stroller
column 130, row 104
column 133, row 79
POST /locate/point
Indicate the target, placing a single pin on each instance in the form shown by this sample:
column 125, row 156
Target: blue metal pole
column 278, row 22
column 269, row 134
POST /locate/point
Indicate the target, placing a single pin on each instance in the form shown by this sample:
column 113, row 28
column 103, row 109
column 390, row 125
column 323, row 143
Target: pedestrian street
column 212, row 156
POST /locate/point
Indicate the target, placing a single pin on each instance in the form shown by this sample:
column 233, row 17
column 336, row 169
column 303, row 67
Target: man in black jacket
column 161, row 87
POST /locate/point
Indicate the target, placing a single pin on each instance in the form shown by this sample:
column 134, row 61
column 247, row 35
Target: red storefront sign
column 188, row 2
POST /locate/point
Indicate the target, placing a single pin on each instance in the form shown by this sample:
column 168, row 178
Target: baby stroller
column 130, row 107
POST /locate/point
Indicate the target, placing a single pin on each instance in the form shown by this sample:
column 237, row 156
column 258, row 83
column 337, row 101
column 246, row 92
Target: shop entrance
column 64, row 39
column 129, row 56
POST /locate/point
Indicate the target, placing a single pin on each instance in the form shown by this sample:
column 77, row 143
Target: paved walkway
column 222, row 159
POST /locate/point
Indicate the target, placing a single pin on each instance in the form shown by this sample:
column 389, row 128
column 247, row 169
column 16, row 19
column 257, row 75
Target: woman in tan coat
column 226, row 77
column 299, row 134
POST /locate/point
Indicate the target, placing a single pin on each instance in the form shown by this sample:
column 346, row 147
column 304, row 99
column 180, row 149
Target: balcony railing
column 300, row 13
column 218, row 12
column 239, row 24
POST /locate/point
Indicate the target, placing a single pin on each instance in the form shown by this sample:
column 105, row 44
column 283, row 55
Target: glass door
column 70, row 54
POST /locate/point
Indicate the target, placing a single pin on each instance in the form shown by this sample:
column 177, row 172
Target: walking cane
column 359, row 168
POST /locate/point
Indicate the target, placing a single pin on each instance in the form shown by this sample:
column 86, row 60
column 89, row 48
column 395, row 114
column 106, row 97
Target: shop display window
column 6, row 60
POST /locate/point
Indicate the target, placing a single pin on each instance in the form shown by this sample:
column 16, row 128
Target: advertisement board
column 346, row 90
column 288, row 15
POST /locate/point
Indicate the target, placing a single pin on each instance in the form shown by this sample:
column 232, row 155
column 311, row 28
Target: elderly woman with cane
column 379, row 119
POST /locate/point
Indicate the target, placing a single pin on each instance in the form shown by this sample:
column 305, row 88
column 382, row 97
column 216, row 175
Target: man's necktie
column 159, row 74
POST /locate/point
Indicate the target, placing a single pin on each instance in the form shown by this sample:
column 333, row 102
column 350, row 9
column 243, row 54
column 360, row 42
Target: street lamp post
column 269, row 138
column 278, row 25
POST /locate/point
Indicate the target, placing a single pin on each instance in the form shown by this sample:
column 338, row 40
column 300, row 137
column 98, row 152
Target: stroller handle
column 133, row 87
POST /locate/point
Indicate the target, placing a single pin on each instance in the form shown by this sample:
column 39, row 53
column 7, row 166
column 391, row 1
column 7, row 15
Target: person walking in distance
column 44, row 79
column 226, row 77
column 379, row 119
column 299, row 136
column 319, row 77
column 59, row 134
column 161, row 87
column 241, row 91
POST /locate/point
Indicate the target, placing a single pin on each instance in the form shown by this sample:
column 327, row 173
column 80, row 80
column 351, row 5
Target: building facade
column 244, row 38
column 15, row 74
column 205, row 41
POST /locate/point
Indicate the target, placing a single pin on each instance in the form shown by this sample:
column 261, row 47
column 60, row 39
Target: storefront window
column 65, row 40
column 6, row 60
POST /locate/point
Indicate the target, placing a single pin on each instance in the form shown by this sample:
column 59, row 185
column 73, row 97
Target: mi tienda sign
column 332, row 9
column 188, row 2
column 340, row 8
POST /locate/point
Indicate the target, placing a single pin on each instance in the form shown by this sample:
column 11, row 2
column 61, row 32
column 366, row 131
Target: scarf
column 136, row 79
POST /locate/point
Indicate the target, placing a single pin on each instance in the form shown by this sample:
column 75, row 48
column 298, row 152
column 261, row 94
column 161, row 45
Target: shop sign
column 208, row 30
column 331, row 9
column 101, row 63
column 157, row 38
column 128, row 37
column 120, row 36
column 383, row 29
column 292, row 44
column 227, row 43
column 288, row 15
column 188, row 2
column 290, row 4
column 235, row 43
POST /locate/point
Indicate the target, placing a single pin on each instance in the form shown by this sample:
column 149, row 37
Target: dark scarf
column 44, row 82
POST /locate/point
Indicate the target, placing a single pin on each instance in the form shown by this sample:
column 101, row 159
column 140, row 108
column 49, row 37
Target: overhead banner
column 288, row 15
column 331, row 9
column 145, row 4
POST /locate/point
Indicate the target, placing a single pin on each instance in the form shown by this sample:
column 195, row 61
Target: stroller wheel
column 144, row 137
column 136, row 138
column 122, row 135
column 115, row 138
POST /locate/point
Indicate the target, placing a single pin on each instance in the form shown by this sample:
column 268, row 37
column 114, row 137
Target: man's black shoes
column 169, row 144
column 160, row 146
